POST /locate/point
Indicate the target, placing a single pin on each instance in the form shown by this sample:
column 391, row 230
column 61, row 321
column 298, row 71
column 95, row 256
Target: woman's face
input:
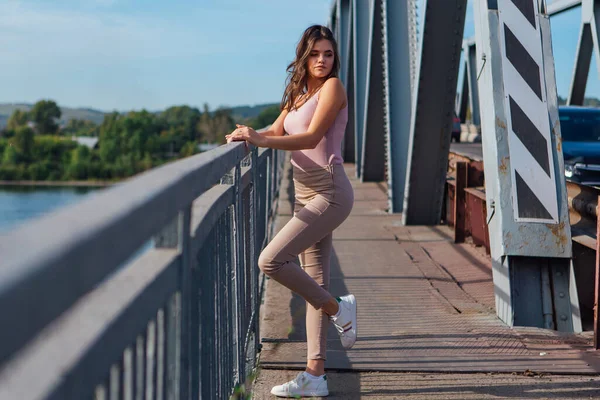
column 320, row 59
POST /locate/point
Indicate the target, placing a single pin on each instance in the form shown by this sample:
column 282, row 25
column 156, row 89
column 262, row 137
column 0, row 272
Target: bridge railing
column 82, row 317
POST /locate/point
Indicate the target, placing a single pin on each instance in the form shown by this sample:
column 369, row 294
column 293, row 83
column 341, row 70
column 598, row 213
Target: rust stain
column 500, row 123
column 559, row 233
column 557, row 136
column 503, row 167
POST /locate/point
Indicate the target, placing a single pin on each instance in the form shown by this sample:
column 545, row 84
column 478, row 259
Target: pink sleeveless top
column 329, row 149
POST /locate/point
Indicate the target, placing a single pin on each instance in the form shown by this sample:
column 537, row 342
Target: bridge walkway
column 427, row 326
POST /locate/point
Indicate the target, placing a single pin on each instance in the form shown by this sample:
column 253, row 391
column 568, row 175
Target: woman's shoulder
column 334, row 88
column 333, row 82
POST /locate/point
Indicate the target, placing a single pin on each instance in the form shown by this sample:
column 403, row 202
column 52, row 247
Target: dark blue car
column 580, row 130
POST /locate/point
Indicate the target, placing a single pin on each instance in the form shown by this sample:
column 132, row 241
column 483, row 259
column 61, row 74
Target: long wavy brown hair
column 296, row 83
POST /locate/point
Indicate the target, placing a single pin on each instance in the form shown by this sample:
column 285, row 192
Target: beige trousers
column 324, row 199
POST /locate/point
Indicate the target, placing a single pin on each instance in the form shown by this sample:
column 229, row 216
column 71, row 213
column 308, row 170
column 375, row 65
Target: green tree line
column 34, row 147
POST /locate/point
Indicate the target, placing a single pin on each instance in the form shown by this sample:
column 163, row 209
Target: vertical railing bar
column 222, row 305
column 253, row 253
column 231, row 290
column 100, row 392
column 228, row 321
column 238, row 277
column 223, row 334
column 229, row 303
column 207, row 302
column 114, row 382
column 219, row 308
column 140, row 367
column 183, row 242
column 121, row 377
column 217, row 315
column 265, row 199
column 128, row 374
column 270, row 168
column 214, row 354
column 195, row 343
column 171, row 370
column 160, row 354
column 150, row 360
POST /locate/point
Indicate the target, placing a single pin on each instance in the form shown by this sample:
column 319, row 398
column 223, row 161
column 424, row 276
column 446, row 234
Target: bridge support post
column 432, row 112
column 528, row 222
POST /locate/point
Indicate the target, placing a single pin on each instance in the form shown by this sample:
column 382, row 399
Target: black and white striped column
column 529, row 134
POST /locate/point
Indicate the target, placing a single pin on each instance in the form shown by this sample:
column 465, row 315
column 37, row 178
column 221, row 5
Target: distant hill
column 244, row 112
column 89, row 114
column 96, row 116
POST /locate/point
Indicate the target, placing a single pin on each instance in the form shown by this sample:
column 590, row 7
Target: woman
column 314, row 116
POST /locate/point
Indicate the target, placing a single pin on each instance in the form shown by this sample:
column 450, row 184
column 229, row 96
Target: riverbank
column 58, row 183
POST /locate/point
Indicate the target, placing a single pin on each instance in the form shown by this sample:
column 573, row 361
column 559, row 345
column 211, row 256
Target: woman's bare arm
column 276, row 128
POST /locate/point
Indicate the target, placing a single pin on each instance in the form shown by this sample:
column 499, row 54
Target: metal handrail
column 84, row 319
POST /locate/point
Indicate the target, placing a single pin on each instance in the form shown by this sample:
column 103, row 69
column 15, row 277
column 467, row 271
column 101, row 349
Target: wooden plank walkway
column 425, row 305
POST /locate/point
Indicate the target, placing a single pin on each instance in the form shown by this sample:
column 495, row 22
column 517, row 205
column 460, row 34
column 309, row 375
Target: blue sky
column 133, row 54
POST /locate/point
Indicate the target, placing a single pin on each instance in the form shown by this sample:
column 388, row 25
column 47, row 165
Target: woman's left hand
column 248, row 134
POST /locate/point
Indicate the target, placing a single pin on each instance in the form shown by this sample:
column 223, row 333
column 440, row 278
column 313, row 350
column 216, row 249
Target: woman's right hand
column 235, row 136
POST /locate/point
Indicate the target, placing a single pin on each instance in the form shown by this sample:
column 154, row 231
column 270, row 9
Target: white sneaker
column 345, row 322
column 302, row 386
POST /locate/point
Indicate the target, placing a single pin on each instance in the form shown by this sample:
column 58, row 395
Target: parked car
column 455, row 129
column 580, row 131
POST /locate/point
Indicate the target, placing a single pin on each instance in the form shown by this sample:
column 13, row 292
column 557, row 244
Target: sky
column 152, row 54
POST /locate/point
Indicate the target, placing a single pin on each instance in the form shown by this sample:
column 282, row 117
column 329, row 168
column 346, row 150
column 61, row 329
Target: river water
column 19, row 204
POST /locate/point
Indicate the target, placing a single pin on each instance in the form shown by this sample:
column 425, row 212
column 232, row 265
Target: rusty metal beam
column 460, row 209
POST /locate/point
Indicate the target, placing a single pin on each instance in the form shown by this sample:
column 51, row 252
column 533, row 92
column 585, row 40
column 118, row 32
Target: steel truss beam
column 558, row 6
column 469, row 95
column 361, row 40
column 373, row 151
column 398, row 40
column 345, row 48
column 432, row 111
column 588, row 42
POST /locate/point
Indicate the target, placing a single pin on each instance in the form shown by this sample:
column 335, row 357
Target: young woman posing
column 314, row 116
